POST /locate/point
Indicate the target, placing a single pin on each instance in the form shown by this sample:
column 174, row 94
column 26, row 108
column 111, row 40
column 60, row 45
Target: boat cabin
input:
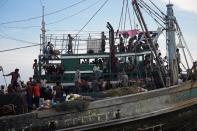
column 88, row 51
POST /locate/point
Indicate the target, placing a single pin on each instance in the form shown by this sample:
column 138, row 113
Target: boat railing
column 81, row 44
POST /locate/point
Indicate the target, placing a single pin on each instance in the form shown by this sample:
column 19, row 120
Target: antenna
column 43, row 29
column 169, row 1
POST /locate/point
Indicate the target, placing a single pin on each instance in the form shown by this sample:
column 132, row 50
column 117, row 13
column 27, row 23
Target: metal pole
column 5, row 79
column 183, row 50
column 43, row 31
column 62, row 44
column 43, row 44
column 171, row 43
column 4, row 76
column 148, row 36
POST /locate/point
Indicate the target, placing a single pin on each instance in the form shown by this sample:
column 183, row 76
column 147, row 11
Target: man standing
column 30, row 81
column 15, row 76
column 49, row 48
column 2, row 92
column 103, row 38
column 29, row 91
column 58, row 91
column 96, row 70
column 35, row 68
column 178, row 58
column 77, row 79
column 70, row 39
column 37, row 93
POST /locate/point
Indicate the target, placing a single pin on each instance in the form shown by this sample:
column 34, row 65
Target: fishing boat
column 167, row 96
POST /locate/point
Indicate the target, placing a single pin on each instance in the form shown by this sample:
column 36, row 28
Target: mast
column 43, row 45
column 43, row 31
column 171, row 44
column 141, row 20
column 112, row 51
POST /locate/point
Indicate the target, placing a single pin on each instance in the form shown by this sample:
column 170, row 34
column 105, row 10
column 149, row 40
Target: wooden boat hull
column 149, row 106
column 115, row 112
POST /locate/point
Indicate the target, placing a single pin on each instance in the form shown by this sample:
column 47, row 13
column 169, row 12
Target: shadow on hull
column 182, row 120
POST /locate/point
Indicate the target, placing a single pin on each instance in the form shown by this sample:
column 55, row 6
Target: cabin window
column 91, row 61
column 140, row 58
column 55, row 61
column 122, row 59
column 129, row 59
column 84, row 61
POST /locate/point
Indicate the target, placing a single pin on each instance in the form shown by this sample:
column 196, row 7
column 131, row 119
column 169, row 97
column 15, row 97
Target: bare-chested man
column 15, row 76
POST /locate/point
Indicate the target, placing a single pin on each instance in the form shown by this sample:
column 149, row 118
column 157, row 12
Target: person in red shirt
column 37, row 93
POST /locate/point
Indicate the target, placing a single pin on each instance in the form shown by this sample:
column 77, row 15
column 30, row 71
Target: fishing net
column 76, row 105
column 121, row 91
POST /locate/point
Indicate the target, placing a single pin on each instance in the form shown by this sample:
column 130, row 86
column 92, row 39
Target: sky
column 27, row 32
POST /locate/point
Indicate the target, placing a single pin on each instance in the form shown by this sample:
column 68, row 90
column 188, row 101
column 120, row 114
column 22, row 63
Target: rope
column 23, row 47
column 60, row 20
column 155, row 12
column 157, row 8
column 54, row 12
column 121, row 15
column 70, row 16
column 41, row 3
column 129, row 16
column 150, row 14
column 19, row 40
column 125, row 19
column 151, row 11
column 23, row 41
column 153, row 51
column 92, row 17
column 180, row 40
column 181, row 34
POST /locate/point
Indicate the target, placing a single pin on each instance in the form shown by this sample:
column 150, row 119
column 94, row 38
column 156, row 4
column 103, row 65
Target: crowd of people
column 32, row 90
column 128, row 43
column 35, row 89
column 54, row 70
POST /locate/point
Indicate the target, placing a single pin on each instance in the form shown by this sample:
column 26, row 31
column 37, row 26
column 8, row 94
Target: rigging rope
column 129, row 16
column 23, row 47
column 41, row 3
column 155, row 12
column 23, row 41
column 150, row 14
column 149, row 41
column 65, row 18
column 70, row 16
column 21, row 27
column 92, row 17
column 47, row 14
column 180, row 40
column 19, row 40
column 125, row 17
column 181, row 35
column 121, row 15
column 157, row 8
column 151, row 11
